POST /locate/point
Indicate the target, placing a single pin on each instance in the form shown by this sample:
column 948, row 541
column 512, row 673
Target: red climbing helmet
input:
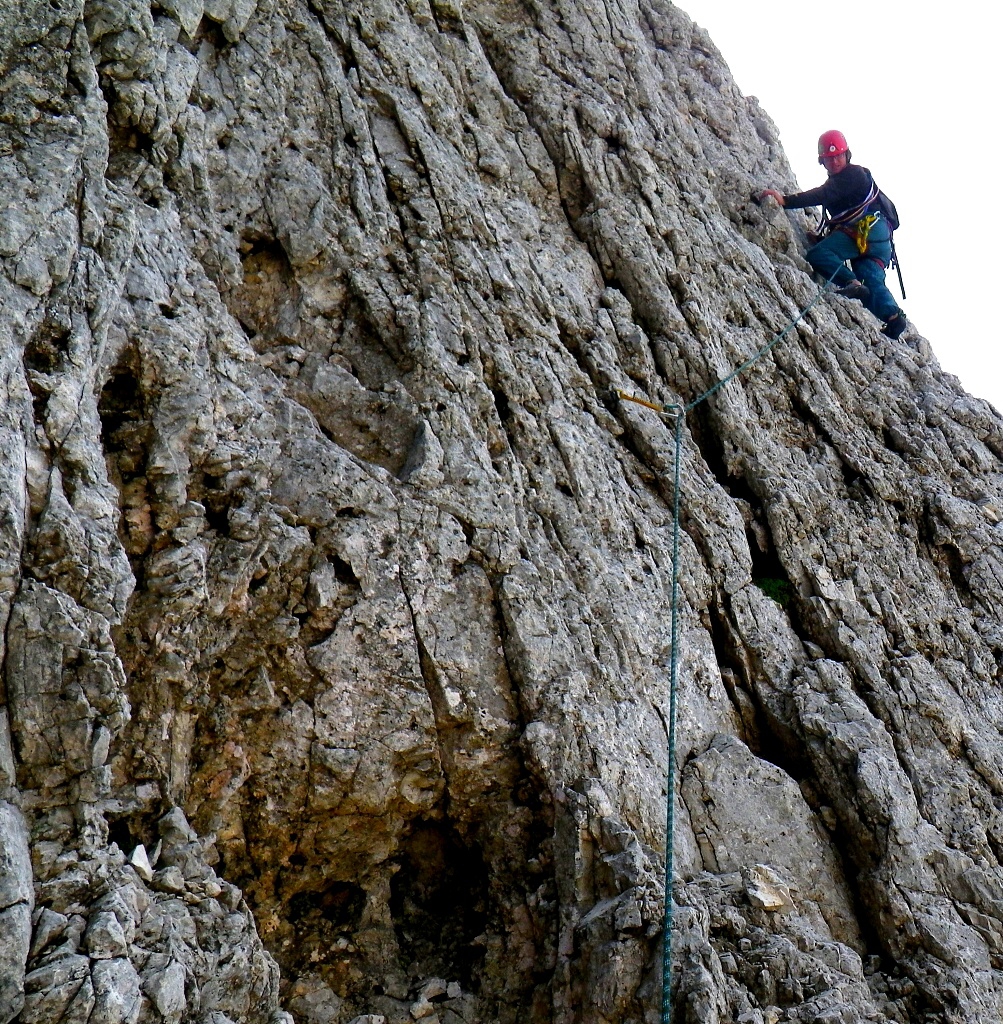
column 832, row 144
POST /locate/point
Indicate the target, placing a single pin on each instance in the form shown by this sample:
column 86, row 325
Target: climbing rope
column 679, row 415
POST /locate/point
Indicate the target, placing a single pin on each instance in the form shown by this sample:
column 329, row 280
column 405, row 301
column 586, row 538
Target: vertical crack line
column 430, row 681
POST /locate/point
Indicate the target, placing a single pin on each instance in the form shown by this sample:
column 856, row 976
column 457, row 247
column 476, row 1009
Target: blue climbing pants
column 830, row 256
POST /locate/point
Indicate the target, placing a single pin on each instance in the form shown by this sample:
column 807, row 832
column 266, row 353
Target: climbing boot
column 855, row 290
column 896, row 326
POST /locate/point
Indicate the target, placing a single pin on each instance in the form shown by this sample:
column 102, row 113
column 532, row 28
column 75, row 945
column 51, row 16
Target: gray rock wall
column 335, row 580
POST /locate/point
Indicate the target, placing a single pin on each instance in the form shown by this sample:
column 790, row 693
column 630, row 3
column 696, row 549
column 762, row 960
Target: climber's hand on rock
column 771, row 192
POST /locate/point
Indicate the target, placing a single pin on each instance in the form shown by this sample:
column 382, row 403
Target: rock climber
column 858, row 231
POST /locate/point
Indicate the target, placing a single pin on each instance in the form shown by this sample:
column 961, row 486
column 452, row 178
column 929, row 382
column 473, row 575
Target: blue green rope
column 762, row 352
column 670, row 803
column 679, row 413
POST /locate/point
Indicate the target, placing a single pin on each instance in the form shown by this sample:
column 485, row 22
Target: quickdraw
column 862, row 230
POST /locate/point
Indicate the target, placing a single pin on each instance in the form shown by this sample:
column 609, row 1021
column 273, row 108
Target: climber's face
column 834, row 164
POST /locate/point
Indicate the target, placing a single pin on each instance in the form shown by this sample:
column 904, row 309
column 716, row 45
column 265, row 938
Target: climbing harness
column 678, row 412
column 850, row 217
column 878, row 205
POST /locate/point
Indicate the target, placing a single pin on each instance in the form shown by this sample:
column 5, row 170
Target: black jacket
column 840, row 193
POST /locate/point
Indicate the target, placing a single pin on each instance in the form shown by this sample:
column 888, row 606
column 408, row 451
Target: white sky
column 916, row 89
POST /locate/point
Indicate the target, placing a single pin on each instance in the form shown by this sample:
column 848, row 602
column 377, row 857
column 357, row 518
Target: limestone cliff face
column 334, row 581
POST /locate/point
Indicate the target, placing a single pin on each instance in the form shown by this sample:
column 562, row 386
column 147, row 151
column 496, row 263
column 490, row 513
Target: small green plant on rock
column 780, row 590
